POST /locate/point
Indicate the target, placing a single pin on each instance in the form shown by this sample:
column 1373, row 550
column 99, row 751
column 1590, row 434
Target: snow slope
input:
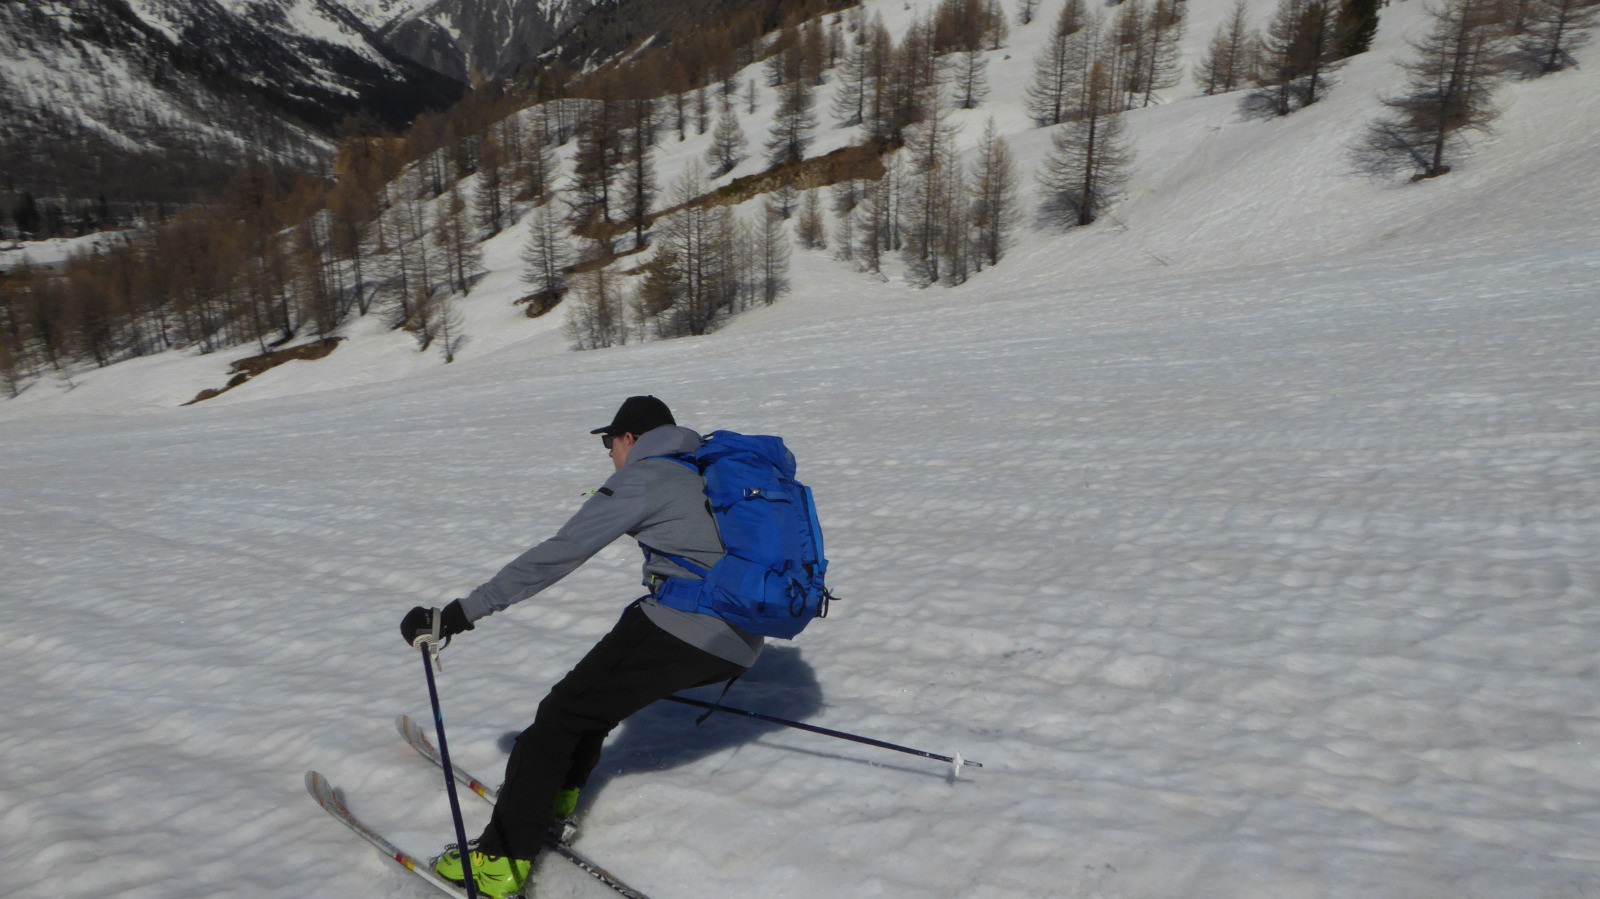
column 1250, row 544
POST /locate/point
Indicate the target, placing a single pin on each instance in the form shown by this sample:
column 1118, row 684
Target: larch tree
column 1229, row 60
column 793, row 125
column 933, row 205
column 547, row 255
column 638, row 167
column 1451, row 79
column 1299, row 45
column 1089, row 157
column 728, row 143
column 1058, row 69
column 772, row 257
column 994, row 197
column 971, row 80
column 1162, row 32
column 1551, row 31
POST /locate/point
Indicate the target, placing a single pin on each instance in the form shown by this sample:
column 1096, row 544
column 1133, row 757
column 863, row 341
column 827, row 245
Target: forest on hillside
column 396, row 228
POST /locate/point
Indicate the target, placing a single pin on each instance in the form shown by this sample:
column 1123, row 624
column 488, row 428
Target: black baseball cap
column 638, row 415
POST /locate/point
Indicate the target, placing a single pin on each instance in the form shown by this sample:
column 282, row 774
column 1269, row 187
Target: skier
column 651, row 652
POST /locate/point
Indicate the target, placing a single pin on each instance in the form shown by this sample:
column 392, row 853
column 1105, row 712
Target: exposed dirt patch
column 245, row 369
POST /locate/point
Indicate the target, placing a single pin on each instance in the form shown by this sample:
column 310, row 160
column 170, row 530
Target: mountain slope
column 473, row 39
column 153, row 88
column 1248, row 539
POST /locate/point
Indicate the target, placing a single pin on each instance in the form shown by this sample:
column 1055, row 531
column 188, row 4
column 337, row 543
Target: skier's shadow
column 664, row 735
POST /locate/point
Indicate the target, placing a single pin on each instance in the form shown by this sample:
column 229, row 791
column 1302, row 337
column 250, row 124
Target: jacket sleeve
column 616, row 509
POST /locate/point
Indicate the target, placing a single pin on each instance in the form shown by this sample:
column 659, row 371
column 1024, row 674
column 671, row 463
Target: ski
column 419, row 741
column 332, row 801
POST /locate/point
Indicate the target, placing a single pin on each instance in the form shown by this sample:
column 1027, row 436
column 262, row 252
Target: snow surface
column 1249, row 541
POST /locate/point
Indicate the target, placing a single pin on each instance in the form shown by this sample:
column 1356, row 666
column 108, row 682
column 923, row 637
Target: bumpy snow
column 1251, row 542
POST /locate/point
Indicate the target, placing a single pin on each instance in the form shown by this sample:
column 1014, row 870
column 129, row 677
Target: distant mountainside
column 151, row 99
column 479, row 39
column 118, row 104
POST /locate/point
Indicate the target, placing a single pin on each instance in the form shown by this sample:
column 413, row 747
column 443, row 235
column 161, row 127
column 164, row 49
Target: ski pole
column 956, row 761
column 429, row 648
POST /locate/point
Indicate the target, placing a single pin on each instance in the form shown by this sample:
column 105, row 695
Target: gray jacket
column 661, row 503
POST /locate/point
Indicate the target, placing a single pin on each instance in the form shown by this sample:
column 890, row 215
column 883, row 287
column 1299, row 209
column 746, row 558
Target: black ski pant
column 630, row 668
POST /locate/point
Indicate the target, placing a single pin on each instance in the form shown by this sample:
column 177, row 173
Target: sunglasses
column 607, row 439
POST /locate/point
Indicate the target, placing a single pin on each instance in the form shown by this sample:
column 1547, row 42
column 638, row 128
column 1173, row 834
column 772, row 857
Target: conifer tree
column 1163, row 29
column 639, row 178
column 1058, row 70
column 994, row 197
column 809, row 231
column 1088, row 160
column 933, row 207
column 772, row 257
column 598, row 316
column 1358, row 25
column 728, row 144
column 1229, row 60
column 971, row 79
column 792, row 125
column 1451, row 80
column 1300, row 43
column 595, row 168
column 547, row 256
column 490, row 197
column 463, row 255
column 1552, row 31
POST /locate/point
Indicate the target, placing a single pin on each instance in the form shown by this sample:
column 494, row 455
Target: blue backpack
column 770, row 582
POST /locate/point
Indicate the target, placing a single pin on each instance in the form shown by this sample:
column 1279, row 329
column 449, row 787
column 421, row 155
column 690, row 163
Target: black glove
column 418, row 622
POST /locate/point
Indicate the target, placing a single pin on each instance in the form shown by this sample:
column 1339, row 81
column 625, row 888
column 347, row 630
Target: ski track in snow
column 1257, row 576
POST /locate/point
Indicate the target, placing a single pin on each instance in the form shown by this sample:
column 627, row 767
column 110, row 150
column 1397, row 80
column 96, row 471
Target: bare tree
column 697, row 251
column 728, row 144
column 1088, row 159
column 1299, row 45
column 793, row 124
column 596, row 317
column 1552, row 30
column 1229, row 60
column 809, row 231
column 1163, row 29
column 994, row 197
column 638, row 178
column 933, row 206
column 450, row 330
column 971, row 79
column 547, row 256
column 1451, row 80
column 458, row 239
column 595, row 167
column 537, row 172
column 772, row 257
column 490, row 200
column 1058, row 70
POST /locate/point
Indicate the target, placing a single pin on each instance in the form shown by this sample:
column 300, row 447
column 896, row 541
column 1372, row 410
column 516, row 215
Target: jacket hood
column 666, row 440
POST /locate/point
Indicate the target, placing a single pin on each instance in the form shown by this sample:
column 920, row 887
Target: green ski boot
column 564, row 817
column 496, row 877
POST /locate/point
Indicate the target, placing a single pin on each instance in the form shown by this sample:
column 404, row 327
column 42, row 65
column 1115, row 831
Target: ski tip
column 409, row 730
column 318, row 787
